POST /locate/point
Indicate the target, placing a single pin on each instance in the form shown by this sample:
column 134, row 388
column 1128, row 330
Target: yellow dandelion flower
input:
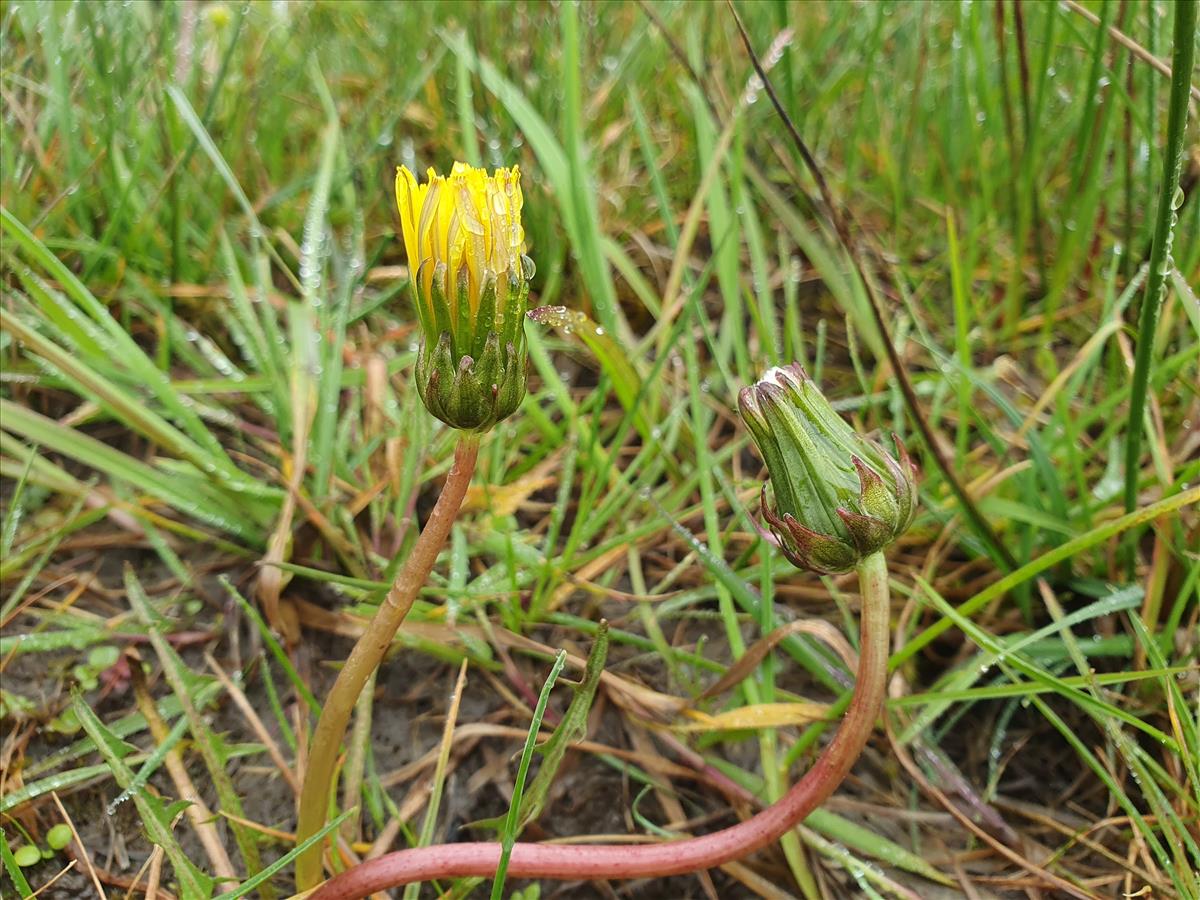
column 465, row 245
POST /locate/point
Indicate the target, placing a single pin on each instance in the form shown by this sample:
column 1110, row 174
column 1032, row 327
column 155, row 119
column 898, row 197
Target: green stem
column 366, row 656
column 1160, row 250
column 582, row 862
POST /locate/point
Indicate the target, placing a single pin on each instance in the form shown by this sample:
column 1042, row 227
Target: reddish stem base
column 579, row 862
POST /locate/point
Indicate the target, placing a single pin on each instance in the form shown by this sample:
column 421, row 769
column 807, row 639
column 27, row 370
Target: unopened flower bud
column 838, row 497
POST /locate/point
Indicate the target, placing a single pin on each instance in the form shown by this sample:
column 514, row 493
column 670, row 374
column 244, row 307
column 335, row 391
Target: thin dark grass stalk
column 1027, row 119
column 1145, row 55
column 841, row 225
column 1129, row 151
column 1010, row 130
column 681, row 57
column 1160, row 250
column 802, row 199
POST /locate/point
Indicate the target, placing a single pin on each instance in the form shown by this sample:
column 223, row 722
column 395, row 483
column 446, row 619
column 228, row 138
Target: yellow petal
column 466, row 224
column 409, row 196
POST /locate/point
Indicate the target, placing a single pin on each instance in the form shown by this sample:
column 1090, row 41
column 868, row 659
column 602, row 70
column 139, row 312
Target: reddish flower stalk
column 368, row 653
column 579, row 862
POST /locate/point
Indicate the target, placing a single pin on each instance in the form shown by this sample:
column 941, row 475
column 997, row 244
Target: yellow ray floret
column 467, row 221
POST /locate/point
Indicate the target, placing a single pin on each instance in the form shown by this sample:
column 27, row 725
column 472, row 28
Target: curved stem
column 366, row 656
column 571, row 862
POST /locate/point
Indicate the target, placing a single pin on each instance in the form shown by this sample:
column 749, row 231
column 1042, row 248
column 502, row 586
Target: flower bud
column 838, row 497
column 470, row 281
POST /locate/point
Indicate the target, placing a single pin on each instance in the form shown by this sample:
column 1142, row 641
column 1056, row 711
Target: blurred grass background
column 206, row 340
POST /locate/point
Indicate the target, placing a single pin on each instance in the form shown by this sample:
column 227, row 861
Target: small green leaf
column 13, row 869
column 27, row 856
column 58, row 837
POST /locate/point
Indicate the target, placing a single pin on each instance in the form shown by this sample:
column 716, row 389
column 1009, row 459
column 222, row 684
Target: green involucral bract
column 474, row 377
column 838, row 497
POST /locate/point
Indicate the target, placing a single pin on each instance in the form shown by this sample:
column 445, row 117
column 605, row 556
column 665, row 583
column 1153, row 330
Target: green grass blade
column 184, row 683
column 193, row 500
column 509, row 835
column 1043, row 562
column 155, row 817
column 284, row 861
column 14, row 871
column 1169, row 199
